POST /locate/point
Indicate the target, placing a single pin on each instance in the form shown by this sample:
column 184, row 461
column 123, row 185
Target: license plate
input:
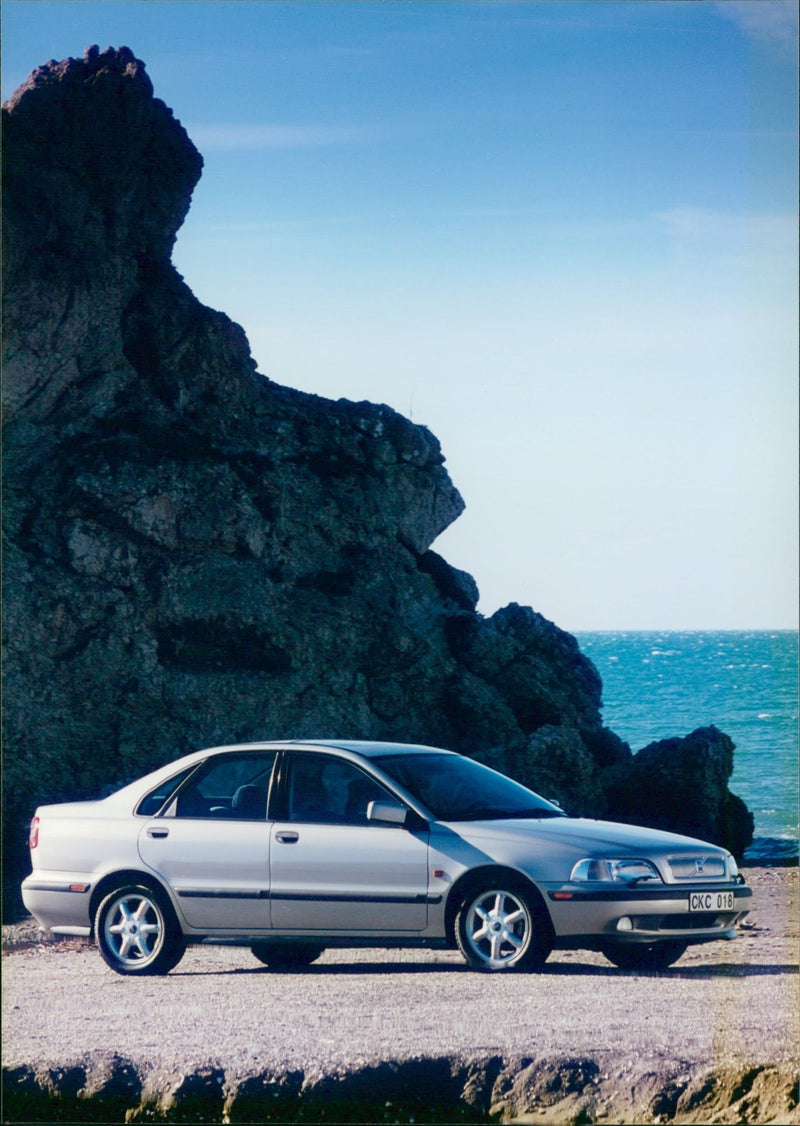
column 711, row 901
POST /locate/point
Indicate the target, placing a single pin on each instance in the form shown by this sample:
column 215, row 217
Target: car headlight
column 733, row 867
column 607, row 869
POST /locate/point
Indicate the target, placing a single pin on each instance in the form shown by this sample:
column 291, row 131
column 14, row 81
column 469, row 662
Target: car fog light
column 624, row 924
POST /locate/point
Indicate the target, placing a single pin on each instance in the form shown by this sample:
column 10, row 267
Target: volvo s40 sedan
column 292, row 847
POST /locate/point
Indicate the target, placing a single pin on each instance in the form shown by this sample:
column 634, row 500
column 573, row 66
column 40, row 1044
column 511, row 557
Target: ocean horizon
column 662, row 683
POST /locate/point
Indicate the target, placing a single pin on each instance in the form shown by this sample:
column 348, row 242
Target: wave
column 773, row 851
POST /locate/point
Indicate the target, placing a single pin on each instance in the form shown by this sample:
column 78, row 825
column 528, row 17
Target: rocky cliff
column 196, row 555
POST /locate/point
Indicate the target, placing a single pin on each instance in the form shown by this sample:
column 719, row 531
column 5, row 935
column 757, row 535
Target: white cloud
column 773, row 21
column 777, row 231
column 285, row 226
column 230, row 137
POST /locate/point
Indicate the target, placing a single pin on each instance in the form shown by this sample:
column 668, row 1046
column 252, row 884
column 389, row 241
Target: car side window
column 152, row 802
column 325, row 790
column 231, row 787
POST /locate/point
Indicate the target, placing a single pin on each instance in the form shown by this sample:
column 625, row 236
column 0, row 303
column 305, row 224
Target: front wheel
column 137, row 932
column 287, row 956
column 646, row 955
column 501, row 928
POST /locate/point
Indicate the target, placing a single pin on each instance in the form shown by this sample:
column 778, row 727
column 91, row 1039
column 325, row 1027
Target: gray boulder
column 682, row 785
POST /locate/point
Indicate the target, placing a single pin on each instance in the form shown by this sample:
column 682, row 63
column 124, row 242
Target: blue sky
column 561, row 235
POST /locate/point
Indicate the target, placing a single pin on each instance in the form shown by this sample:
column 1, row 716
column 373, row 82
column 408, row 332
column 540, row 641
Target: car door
column 331, row 869
column 211, row 845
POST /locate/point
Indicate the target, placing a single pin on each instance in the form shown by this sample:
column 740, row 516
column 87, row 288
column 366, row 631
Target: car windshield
column 459, row 789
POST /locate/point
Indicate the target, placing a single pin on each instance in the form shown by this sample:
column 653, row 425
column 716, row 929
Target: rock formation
column 690, row 778
column 196, row 555
column 486, row 1089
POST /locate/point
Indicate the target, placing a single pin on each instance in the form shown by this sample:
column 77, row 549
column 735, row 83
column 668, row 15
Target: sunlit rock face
column 195, row 555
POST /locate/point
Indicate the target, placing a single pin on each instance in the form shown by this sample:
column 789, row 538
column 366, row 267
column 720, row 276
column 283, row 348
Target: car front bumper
column 646, row 914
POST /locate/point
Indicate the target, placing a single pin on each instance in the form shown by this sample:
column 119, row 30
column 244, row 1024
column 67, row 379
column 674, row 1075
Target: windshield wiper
column 488, row 813
column 535, row 814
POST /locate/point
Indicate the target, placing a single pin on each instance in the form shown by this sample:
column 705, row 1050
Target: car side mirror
column 387, row 812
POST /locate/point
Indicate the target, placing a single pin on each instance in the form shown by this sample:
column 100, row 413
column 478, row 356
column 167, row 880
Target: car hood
column 581, row 834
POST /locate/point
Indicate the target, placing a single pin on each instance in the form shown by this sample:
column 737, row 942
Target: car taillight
column 33, row 839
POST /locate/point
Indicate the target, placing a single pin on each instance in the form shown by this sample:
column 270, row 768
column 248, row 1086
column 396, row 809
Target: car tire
column 137, row 932
column 500, row 926
column 645, row 956
column 287, row 956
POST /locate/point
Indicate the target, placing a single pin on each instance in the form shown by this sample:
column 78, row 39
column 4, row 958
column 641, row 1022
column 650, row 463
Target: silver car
column 292, row 847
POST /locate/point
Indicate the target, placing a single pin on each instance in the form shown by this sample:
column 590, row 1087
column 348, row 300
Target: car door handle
column 157, row 834
column 285, row 837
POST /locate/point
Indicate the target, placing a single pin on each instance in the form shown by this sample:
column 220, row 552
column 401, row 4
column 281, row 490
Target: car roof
column 365, row 747
column 370, row 749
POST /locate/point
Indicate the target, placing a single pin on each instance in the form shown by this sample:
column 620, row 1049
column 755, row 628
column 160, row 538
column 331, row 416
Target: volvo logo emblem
column 699, row 865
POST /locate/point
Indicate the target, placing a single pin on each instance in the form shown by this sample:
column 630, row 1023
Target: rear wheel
column 646, row 955
column 287, row 956
column 137, row 932
column 500, row 927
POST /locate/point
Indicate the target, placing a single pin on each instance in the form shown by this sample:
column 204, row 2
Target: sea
column 660, row 684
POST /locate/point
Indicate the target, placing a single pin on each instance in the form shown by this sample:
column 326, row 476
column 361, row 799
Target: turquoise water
column 660, row 684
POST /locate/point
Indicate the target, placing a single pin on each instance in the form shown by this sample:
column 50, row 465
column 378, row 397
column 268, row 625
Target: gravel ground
column 732, row 1005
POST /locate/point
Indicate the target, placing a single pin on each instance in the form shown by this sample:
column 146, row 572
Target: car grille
column 697, row 867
